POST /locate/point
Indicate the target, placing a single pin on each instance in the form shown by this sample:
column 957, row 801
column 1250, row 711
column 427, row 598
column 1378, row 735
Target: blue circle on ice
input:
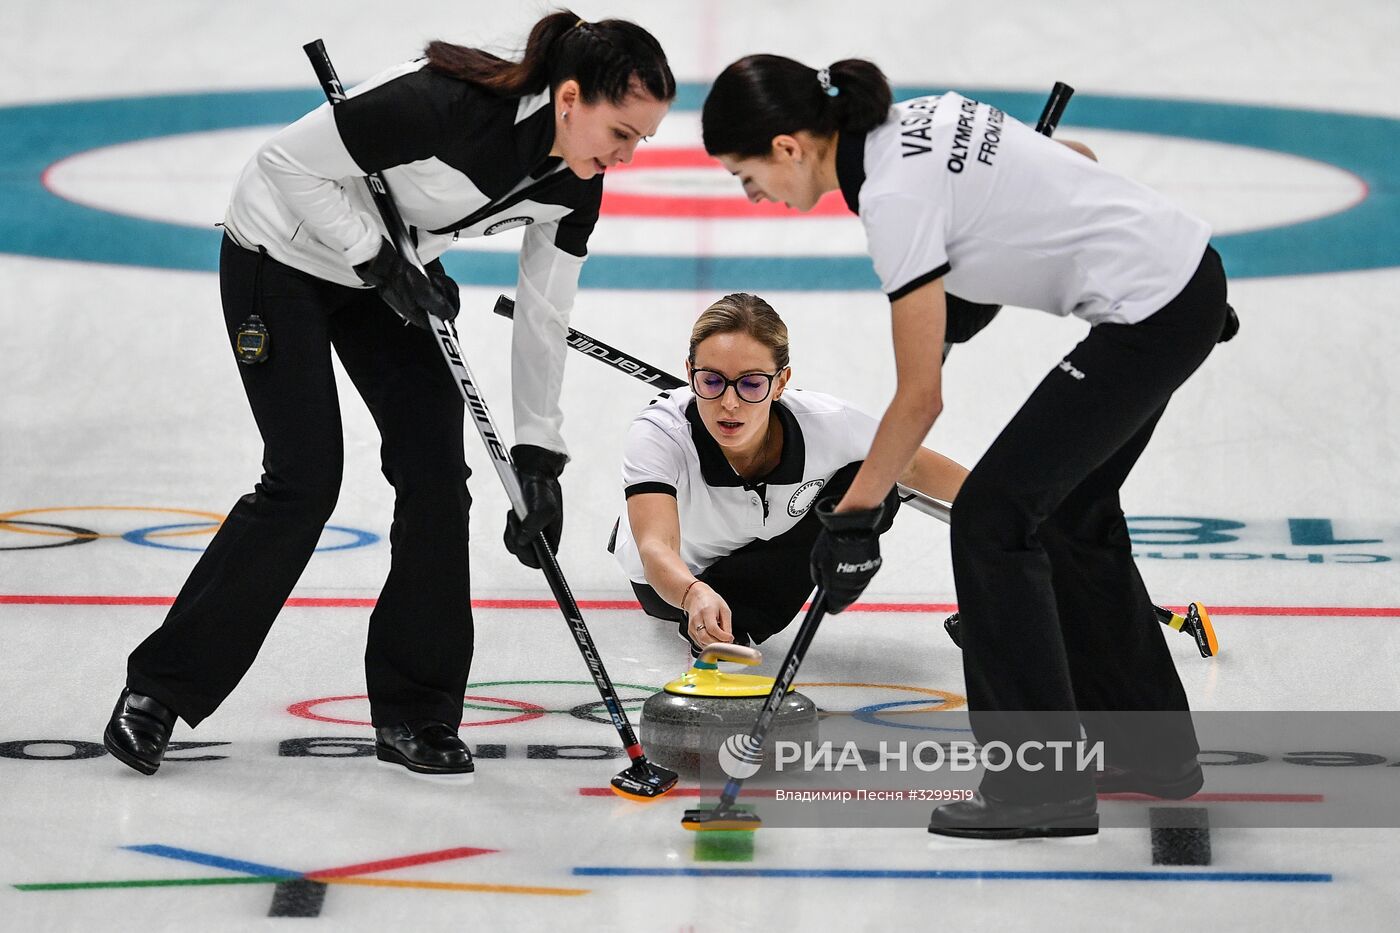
column 358, row 538
column 871, row 716
column 36, row 222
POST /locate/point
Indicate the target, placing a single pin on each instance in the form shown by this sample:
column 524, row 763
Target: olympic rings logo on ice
column 353, row 709
column 21, row 530
column 578, row 699
column 740, row 756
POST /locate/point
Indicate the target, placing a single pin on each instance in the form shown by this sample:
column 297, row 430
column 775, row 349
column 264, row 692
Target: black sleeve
column 400, row 121
column 577, row 226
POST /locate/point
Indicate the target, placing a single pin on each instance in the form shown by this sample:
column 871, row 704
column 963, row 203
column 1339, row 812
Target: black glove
column 403, row 288
column 1232, row 325
column 446, row 286
column 539, row 471
column 847, row 552
column 953, row 626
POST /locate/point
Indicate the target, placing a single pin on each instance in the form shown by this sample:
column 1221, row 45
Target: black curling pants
column 1057, row 626
column 765, row 582
column 419, row 648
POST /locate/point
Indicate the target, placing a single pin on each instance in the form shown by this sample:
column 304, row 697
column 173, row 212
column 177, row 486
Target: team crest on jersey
column 803, row 498
column 508, row 224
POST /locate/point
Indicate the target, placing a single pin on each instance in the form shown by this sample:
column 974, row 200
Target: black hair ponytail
column 864, row 97
column 609, row 59
column 762, row 96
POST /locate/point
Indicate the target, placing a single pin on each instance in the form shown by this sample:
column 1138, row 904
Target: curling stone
column 683, row 726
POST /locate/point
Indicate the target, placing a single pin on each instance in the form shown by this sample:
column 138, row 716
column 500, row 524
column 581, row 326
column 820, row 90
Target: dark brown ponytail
column 762, row 96
column 609, row 59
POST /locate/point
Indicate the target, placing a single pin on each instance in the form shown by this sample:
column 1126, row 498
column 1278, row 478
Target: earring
column 563, row 114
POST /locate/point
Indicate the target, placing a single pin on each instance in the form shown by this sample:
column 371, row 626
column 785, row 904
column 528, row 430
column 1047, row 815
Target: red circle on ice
column 304, row 709
column 657, row 183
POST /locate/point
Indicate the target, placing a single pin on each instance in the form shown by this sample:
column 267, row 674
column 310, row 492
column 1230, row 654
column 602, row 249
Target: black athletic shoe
column 989, row 818
column 424, row 747
column 138, row 731
column 1176, row 784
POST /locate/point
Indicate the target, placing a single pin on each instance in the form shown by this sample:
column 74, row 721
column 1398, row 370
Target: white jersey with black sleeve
column 668, row 450
column 953, row 188
column 461, row 162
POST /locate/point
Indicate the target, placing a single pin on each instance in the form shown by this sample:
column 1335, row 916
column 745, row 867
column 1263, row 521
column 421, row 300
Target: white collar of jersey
column 529, row 105
column 716, row 470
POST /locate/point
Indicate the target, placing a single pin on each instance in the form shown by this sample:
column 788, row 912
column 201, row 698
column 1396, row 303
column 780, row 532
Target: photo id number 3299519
column 940, row 794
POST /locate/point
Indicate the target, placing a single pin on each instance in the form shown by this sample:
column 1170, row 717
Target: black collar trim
column 850, row 167
column 716, row 470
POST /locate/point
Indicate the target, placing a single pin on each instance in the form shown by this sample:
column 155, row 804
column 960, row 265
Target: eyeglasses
column 750, row 387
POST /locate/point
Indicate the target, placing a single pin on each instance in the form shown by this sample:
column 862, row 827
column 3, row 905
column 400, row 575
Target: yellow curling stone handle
column 705, row 679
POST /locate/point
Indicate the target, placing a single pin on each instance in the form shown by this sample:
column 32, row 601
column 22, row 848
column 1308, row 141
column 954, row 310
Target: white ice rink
column 1269, row 492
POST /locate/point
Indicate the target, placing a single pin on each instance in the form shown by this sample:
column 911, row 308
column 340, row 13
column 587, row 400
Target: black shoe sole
column 1180, row 790
column 1019, row 832
column 392, row 757
column 125, row 757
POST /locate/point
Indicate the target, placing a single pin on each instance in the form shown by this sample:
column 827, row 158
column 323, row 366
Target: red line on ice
column 423, row 858
column 345, row 602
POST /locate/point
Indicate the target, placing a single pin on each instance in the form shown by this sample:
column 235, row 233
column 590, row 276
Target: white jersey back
column 669, row 450
column 950, row 187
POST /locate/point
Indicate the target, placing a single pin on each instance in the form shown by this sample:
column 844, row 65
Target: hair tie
column 580, row 24
column 824, row 79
